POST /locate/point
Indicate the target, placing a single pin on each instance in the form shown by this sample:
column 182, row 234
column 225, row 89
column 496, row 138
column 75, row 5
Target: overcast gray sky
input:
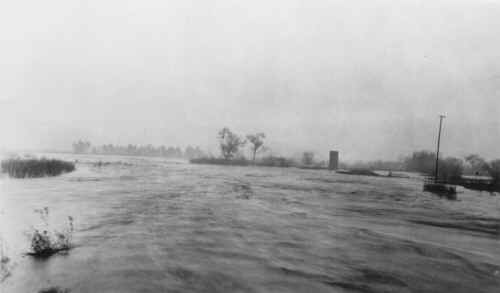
column 368, row 78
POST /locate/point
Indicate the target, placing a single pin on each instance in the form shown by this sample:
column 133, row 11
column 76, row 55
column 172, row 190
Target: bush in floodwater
column 45, row 244
column 276, row 161
column 362, row 172
column 451, row 169
column 4, row 263
column 30, row 168
column 220, row 161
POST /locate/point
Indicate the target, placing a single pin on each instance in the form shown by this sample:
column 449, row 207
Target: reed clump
column 33, row 168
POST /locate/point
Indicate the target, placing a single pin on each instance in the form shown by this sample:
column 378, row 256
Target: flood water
column 152, row 225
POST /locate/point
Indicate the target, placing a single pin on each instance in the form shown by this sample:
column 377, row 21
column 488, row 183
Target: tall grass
column 30, row 168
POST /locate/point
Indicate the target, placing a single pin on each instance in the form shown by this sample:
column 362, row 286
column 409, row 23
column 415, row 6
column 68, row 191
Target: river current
column 152, row 225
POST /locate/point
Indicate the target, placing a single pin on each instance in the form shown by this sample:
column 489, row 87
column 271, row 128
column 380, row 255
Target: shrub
column 220, row 161
column 363, row 172
column 451, row 169
column 5, row 268
column 494, row 171
column 273, row 161
column 375, row 165
column 269, row 161
column 421, row 161
column 44, row 244
column 29, row 168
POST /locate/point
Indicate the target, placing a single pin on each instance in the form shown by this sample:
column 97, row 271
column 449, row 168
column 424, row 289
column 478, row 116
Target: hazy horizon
column 366, row 78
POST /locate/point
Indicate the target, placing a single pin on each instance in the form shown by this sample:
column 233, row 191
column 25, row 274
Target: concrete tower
column 334, row 160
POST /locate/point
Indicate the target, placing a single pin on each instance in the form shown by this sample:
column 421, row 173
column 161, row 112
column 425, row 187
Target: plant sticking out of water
column 45, row 243
column 4, row 263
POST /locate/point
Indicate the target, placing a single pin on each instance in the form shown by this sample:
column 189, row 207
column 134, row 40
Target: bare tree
column 257, row 141
column 229, row 143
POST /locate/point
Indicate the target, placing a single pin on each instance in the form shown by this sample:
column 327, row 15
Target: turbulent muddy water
column 149, row 225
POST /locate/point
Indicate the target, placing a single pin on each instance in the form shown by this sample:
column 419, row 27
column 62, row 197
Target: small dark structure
column 334, row 160
column 441, row 189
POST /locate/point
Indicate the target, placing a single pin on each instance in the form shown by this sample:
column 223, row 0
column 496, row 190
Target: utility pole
column 437, row 152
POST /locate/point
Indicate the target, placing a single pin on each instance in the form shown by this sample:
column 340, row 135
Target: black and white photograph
column 300, row 146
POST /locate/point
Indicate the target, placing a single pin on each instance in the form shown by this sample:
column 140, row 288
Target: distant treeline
column 85, row 147
column 451, row 169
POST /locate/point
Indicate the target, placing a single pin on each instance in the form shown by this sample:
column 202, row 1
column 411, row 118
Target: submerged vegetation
column 30, row 168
